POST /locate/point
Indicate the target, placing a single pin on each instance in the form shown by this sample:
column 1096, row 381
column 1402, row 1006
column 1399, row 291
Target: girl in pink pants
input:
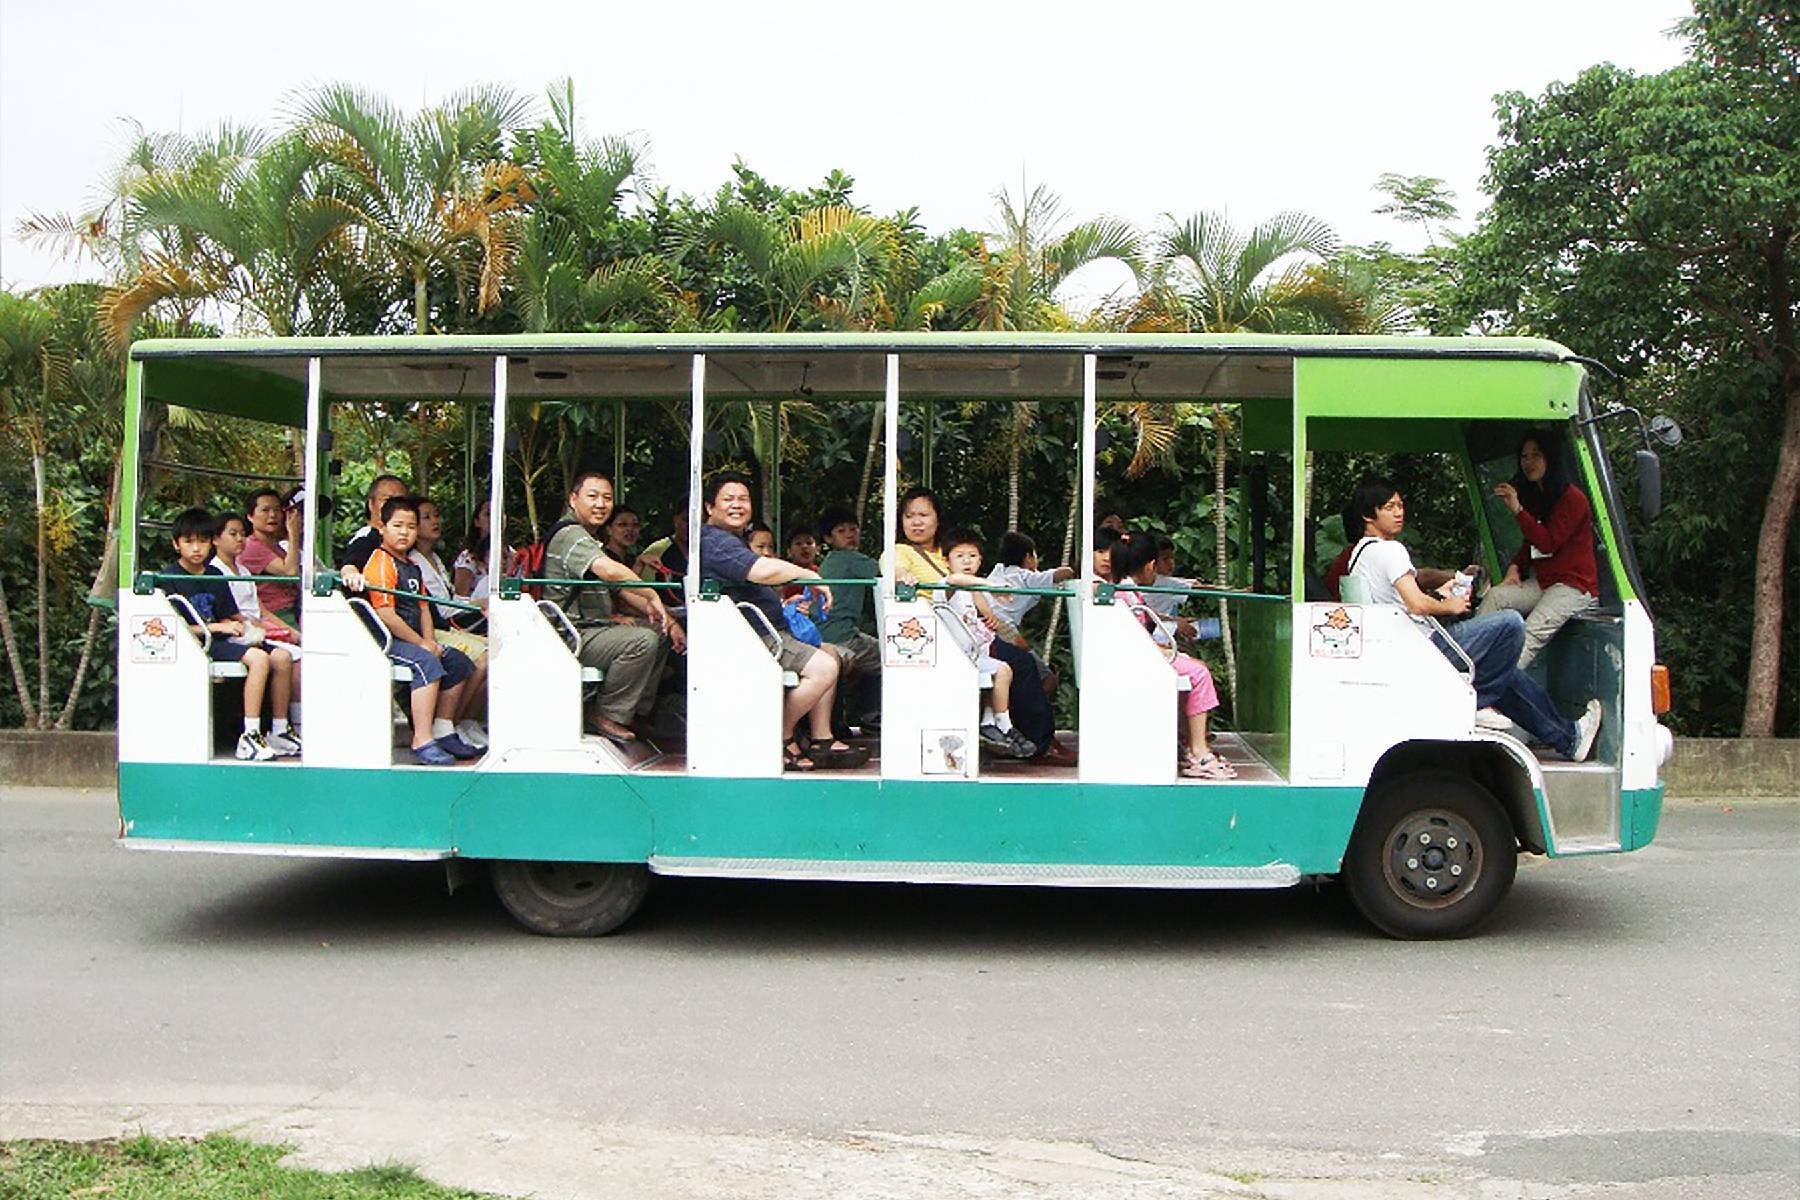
column 1134, row 561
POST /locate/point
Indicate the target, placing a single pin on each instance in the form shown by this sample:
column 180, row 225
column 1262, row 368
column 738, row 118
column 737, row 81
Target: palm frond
column 1091, row 241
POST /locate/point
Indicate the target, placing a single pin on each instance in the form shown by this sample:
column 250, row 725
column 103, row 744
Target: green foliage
column 1631, row 217
column 1654, row 222
column 216, row 1167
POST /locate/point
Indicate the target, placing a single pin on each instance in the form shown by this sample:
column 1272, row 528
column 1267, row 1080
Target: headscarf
column 1540, row 498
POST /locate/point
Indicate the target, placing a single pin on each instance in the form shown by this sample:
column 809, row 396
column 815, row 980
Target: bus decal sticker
column 152, row 640
column 943, row 752
column 910, row 642
column 1336, row 631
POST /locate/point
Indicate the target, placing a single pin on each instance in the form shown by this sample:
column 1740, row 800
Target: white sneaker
column 1586, row 729
column 254, row 747
column 285, row 744
column 471, row 732
column 1491, row 718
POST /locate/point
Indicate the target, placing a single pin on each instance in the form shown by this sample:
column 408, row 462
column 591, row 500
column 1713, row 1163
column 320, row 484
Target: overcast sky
column 1131, row 109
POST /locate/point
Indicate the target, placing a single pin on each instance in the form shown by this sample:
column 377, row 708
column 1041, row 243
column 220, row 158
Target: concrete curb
column 36, row 758
column 1734, row 767
column 1702, row 768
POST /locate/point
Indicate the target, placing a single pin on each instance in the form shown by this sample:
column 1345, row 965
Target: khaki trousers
column 630, row 659
column 1545, row 610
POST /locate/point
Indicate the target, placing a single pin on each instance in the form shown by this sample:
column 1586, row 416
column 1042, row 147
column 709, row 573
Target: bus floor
column 1240, row 750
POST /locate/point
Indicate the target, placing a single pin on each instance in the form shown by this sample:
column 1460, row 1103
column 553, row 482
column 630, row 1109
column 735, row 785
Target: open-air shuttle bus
column 1355, row 739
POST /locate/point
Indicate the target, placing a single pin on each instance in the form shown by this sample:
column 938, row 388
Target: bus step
column 1088, row 875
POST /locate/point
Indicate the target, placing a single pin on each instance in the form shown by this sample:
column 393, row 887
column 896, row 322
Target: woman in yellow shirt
column 918, row 558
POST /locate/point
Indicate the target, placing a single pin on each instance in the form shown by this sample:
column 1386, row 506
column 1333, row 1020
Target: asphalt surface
column 1626, row 1025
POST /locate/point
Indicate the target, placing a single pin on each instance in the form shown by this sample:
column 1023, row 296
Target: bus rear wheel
column 567, row 899
column 1432, row 856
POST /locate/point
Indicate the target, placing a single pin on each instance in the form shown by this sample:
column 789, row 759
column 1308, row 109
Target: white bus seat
column 771, row 639
column 215, row 670
column 571, row 636
column 400, row 673
column 959, row 633
column 1182, row 682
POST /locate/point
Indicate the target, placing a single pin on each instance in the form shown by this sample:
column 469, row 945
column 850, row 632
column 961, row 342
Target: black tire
column 562, row 899
column 1432, row 856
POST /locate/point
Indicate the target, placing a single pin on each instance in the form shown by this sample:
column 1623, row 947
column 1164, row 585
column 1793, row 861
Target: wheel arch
column 1492, row 764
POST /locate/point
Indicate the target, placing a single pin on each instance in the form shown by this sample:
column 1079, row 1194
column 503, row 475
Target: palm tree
column 112, row 235
column 260, row 224
column 828, row 260
column 1033, row 259
column 28, row 368
column 1211, row 277
column 427, row 191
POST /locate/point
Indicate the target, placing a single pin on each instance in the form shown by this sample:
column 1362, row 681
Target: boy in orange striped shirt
column 439, row 673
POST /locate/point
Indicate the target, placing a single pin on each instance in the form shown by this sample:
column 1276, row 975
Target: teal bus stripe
column 630, row 818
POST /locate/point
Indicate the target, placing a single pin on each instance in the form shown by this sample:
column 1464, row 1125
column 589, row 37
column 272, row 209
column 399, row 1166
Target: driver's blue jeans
column 1492, row 642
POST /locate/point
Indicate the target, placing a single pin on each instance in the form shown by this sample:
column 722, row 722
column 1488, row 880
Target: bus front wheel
column 1432, row 855
column 567, row 899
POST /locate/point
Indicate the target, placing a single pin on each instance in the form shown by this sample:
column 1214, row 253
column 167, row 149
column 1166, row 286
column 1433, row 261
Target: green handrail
column 327, row 581
column 146, row 581
column 909, row 591
column 711, row 588
column 1104, row 592
column 512, row 587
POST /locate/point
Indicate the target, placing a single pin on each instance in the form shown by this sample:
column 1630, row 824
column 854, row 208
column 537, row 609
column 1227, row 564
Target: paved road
column 1626, row 1026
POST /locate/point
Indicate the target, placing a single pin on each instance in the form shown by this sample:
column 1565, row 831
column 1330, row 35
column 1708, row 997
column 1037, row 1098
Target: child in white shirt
column 963, row 554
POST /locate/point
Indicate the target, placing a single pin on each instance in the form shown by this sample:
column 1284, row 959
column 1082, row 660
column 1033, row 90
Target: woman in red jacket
column 1553, row 576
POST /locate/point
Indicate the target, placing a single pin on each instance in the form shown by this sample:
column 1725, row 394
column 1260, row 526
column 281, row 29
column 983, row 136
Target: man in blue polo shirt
column 750, row 578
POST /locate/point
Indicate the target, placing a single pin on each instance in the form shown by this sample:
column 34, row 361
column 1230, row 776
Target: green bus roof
column 1296, row 345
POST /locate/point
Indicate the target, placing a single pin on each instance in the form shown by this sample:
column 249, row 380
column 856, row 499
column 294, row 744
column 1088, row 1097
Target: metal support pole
column 1090, row 415
column 890, row 476
column 315, row 453
column 926, row 447
column 696, row 473
column 619, row 449
column 497, row 480
column 774, row 469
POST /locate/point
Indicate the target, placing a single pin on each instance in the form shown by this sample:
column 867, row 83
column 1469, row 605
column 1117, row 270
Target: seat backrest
column 1353, row 589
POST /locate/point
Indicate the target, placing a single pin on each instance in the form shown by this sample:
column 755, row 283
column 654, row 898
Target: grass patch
column 212, row 1168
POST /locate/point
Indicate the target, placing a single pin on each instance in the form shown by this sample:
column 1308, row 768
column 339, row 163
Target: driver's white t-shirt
column 1381, row 563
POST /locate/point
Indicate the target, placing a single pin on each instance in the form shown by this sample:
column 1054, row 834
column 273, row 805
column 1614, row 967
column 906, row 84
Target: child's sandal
column 1210, row 766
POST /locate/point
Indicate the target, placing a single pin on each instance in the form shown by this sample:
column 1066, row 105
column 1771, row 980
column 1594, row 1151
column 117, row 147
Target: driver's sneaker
column 254, row 747
column 286, row 744
column 429, row 755
column 1019, row 745
column 995, row 738
column 455, row 747
column 1586, row 730
column 472, row 734
column 1492, row 718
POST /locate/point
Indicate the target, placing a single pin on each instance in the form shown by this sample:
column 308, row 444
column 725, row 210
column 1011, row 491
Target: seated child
column 842, row 626
column 438, row 672
column 1134, row 561
column 1105, row 538
column 233, row 639
column 229, row 541
column 1018, row 567
column 963, row 554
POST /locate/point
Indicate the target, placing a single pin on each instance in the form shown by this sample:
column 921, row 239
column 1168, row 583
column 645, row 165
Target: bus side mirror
column 1649, row 473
